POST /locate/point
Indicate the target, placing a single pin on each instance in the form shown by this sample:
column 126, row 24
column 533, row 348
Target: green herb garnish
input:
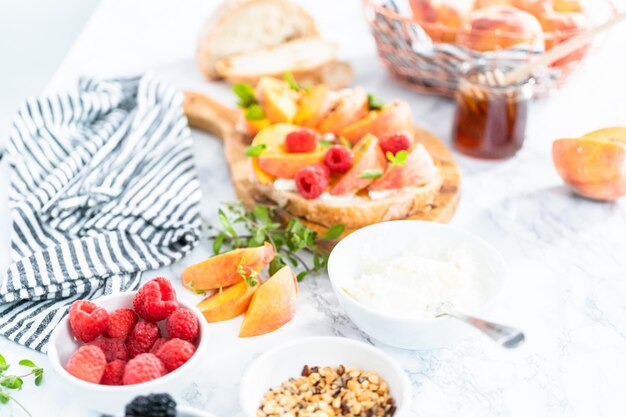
column 248, row 274
column 291, row 80
column 15, row 382
column 325, row 144
column 374, row 102
column 254, row 112
column 345, row 142
column 240, row 228
column 245, row 92
column 371, row 174
column 399, row 158
column 255, row 150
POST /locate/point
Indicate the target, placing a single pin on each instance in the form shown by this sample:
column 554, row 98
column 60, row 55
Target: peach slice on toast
column 395, row 117
column 351, row 106
column 278, row 99
column 595, row 164
column 272, row 305
column 228, row 303
column 315, row 103
column 275, row 160
column 418, row 169
column 367, row 157
column 222, row 270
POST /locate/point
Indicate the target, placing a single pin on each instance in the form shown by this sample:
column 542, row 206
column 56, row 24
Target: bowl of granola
column 325, row 376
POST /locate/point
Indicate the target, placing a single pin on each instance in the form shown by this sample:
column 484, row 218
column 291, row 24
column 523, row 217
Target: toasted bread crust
column 398, row 206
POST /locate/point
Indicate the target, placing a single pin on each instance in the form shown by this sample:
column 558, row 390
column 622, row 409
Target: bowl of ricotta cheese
column 394, row 279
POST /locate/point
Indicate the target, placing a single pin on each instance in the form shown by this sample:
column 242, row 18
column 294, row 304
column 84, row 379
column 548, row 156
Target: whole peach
column 498, row 27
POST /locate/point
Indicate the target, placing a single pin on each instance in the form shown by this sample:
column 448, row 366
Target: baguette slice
column 311, row 60
column 400, row 205
column 241, row 26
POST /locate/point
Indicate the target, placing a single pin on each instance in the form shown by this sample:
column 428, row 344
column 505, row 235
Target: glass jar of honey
column 490, row 118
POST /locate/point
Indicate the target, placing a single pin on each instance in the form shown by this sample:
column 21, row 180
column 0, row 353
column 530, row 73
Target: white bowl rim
column 348, row 240
column 53, row 354
column 404, row 381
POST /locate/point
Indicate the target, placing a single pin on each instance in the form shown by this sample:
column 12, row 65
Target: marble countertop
column 566, row 255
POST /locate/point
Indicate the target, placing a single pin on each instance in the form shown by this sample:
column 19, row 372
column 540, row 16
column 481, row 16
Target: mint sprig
column 399, row 159
column 294, row 243
column 15, row 382
column 371, row 174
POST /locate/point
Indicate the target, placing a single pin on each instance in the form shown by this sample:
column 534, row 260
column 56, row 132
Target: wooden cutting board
column 206, row 114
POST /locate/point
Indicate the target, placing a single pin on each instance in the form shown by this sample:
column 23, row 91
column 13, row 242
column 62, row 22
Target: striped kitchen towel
column 102, row 187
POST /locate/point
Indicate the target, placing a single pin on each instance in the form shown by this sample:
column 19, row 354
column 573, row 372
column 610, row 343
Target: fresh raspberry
column 338, row 159
column 395, row 143
column 143, row 368
column 113, row 348
column 312, row 180
column 87, row 363
column 87, row 320
column 182, row 324
column 303, row 140
column 175, row 353
column 160, row 342
column 142, row 338
column 155, row 300
column 121, row 323
column 113, row 373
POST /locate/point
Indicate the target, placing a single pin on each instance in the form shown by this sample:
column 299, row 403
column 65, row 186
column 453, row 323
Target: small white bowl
column 112, row 399
column 286, row 361
column 389, row 239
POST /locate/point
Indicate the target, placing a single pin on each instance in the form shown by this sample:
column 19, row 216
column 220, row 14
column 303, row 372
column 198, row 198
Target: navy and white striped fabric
column 103, row 186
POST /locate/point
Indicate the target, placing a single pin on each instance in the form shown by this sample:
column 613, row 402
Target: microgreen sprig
column 15, row 382
column 247, row 273
column 248, row 102
column 239, row 228
column 398, row 159
column 374, row 102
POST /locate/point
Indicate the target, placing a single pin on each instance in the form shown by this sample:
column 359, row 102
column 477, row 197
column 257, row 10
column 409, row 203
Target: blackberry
column 153, row 405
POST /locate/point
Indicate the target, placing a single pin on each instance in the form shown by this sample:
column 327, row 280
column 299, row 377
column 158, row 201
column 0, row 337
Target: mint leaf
column 334, row 231
column 11, row 382
column 254, row 112
column 345, row 142
column 245, row 92
column 399, row 158
column 27, row 362
column 4, row 398
column 255, row 150
column 371, row 174
column 374, row 102
column 291, row 80
column 325, row 144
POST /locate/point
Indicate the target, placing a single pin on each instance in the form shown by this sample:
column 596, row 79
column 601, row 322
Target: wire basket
column 420, row 55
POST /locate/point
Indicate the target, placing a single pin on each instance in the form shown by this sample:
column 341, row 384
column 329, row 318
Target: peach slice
column 351, row 106
column 393, row 118
column 595, row 165
column 314, row 105
column 255, row 126
column 367, row 157
column 567, row 6
column 418, row 169
column 275, row 160
column 272, row 305
column 279, row 101
column 221, row 270
column 228, row 303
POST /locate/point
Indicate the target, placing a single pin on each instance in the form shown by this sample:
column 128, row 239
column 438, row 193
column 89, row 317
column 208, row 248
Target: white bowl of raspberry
column 106, row 354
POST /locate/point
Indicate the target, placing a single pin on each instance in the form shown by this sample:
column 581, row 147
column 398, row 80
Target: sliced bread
column 241, row 26
column 311, row 60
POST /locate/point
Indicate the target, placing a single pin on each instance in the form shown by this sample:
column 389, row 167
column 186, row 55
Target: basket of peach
column 424, row 43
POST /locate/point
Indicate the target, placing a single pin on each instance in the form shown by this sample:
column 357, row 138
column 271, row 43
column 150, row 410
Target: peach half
column 272, row 305
column 594, row 165
column 222, row 270
column 275, row 160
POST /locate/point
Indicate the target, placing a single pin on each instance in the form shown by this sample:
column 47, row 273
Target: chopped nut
column 329, row 392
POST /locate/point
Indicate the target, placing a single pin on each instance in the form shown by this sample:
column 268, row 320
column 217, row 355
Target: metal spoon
column 505, row 336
